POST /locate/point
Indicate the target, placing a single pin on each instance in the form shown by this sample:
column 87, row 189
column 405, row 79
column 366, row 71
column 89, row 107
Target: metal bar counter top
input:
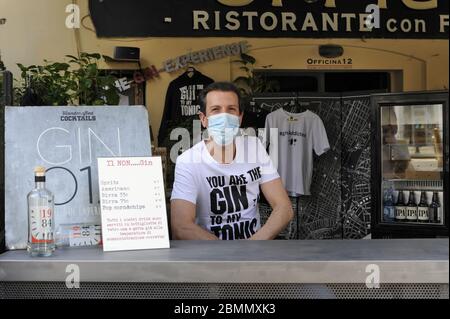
column 315, row 262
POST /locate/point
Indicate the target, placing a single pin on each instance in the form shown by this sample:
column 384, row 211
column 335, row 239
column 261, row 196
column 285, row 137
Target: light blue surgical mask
column 223, row 128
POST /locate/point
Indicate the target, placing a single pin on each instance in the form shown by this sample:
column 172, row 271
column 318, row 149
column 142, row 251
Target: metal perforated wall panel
column 26, row 290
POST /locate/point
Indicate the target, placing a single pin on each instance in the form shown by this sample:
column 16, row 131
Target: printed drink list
column 132, row 203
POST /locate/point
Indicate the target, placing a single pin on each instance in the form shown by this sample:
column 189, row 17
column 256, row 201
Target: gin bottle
column 41, row 220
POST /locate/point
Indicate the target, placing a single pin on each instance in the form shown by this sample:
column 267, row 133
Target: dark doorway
column 357, row 81
column 329, row 82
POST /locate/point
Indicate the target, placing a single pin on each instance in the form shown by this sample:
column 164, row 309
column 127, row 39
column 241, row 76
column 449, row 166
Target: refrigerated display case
column 410, row 165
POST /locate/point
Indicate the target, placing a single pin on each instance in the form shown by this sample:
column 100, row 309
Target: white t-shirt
column 291, row 149
column 226, row 195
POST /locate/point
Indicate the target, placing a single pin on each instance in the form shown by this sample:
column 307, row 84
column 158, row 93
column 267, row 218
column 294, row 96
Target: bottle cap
column 39, row 171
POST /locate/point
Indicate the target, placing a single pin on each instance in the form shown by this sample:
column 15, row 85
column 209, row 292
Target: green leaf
column 96, row 56
column 112, row 98
column 248, row 59
column 86, row 55
column 243, row 79
column 92, row 68
column 99, row 102
column 63, row 66
column 22, row 67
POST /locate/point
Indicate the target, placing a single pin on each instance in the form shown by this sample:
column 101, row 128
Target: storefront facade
column 407, row 54
column 416, row 65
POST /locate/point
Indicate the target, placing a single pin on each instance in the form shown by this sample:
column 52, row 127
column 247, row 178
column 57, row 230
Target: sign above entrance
column 207, row 55
column 404, row 19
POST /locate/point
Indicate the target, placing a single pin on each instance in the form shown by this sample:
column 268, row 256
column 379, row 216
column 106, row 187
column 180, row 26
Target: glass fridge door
column 412, row 165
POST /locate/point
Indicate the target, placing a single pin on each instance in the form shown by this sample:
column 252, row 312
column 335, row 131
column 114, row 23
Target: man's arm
column 182, row 214
column 282, row 212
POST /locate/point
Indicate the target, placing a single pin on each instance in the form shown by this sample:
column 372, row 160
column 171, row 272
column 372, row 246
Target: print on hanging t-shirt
column 181, row 102
column 188, row 99
column 294, row 137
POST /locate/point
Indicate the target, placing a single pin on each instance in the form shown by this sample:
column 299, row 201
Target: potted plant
column 78, row 82
column 252, row 83
column 93, row 88
column 48, row 84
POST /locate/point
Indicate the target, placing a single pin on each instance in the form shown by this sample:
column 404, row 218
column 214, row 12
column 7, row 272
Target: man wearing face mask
column 217, row 182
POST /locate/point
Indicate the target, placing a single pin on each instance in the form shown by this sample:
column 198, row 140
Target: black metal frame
column 385, row 230
column 7, row 93
column 7, row 88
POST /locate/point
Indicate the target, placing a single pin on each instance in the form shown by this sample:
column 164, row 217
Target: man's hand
column 183, row 224
column 282, row 212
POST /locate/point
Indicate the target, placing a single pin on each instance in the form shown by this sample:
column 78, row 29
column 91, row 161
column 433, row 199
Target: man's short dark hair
column 222, row 87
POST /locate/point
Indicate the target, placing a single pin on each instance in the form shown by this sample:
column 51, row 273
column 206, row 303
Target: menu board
column 132, row 203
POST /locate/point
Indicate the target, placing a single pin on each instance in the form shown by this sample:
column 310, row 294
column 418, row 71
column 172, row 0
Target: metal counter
column 241, row 269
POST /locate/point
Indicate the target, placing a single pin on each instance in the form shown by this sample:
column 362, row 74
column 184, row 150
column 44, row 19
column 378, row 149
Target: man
column 217, row 182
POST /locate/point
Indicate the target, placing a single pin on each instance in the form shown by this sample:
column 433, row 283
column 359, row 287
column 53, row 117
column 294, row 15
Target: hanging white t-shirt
column 226, row 195
column 291, row 149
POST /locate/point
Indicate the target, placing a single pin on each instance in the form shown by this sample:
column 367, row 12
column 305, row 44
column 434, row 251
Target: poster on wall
column 399, row 19
column 66, row 141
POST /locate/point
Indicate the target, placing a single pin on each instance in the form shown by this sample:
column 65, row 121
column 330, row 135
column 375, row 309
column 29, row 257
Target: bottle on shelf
column 411, row 208
column 440, row 209
column 388, row 205
column 434, row 209
column 400, row 208
column 41, row 219
column 78, row 235
column 423, row 211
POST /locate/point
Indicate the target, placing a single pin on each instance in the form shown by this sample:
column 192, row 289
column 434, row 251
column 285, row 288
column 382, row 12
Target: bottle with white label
column 400, row 208
column 78, row 235
column 411, row 209
column 423, row 211
column 41, row 221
